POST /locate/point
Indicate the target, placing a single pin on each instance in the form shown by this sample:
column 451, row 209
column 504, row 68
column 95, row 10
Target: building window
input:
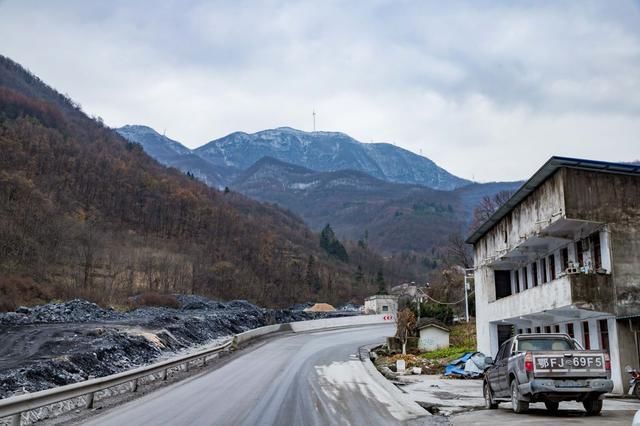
column 534, row 273
column 556, row 328
column 537, row 329
column 570, row 330
column 528, row 331
column 525, row 278
column 519, row 331
column 552, row 267
column 585, row 335
column 597, row 253
column 385, row 308
column 502, row 283
column 564, row 259
column 543, row 270
column 604, row 335
column 547, row 329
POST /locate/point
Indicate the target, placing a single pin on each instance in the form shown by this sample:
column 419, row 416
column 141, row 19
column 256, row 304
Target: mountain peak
column 326, row 152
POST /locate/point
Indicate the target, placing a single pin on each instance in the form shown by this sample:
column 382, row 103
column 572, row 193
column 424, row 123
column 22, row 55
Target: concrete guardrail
column 14, row 407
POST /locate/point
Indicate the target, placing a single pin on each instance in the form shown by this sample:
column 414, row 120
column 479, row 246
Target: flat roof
column 548, row 169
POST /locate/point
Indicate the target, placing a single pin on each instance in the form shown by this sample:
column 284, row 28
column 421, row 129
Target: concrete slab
column 444, row 396
column 462, row 401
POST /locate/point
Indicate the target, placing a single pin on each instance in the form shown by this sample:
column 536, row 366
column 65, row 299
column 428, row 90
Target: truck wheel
column 552, row 406
column 518, row 406
column 489, row 403
column 636, row 390
column 592, row 406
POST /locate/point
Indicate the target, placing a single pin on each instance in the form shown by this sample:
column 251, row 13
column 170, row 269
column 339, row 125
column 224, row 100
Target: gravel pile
column 67, row 342
column 76, row 310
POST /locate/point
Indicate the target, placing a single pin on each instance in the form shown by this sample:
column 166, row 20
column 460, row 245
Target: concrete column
column 577, row 331
column 573, row 256
column 618, row 375
column 514, row 290
column 605, row 248
column 594, row 334
column 558, row 262
column 493, row 339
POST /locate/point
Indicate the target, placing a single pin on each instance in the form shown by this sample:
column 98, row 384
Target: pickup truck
column 547, row 368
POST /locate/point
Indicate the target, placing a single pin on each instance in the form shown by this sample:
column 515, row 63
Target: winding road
column 311, row 378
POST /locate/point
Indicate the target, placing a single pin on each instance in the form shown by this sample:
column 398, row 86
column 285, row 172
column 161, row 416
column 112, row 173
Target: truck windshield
column 544, row 344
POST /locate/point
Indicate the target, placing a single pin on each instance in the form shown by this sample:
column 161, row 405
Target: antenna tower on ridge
column 314, row 120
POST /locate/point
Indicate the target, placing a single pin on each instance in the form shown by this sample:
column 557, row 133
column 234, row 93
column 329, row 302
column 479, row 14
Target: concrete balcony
column 572, row 296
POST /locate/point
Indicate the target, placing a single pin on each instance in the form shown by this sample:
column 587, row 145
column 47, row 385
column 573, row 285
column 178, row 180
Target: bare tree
column 405, row 326
column 487, row 206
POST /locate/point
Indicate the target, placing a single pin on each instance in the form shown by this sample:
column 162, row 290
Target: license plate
column 574, row 363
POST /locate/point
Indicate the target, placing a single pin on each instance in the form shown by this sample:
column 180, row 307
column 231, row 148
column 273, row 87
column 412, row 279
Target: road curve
column 295, row 379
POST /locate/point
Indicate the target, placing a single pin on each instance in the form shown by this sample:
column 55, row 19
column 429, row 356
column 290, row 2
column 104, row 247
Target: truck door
column 503, row 369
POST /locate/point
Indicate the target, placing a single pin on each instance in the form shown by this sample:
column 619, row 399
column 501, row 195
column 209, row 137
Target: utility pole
column 465, row 271
column 314, row 120
column 466, row 297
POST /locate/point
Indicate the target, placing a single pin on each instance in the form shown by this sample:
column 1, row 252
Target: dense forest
column 84, row 213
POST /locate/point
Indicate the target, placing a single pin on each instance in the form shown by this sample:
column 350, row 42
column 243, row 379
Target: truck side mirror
column 488, row 360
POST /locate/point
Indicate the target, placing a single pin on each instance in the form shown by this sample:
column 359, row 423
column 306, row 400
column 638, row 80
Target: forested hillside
column 85, row 213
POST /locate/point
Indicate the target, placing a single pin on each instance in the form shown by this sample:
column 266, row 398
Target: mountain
column 328, row 151
column 174, row 154
column 394, row 217
column 86, row 213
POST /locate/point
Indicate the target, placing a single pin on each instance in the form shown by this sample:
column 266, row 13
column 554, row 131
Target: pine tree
column 331, row 245
column 382, row 286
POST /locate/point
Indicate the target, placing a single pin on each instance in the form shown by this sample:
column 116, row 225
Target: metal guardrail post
column 186, row 366
column 164, row 374
column 135, row 386
column 204, row 361
column 16, row 419
column 90, row 396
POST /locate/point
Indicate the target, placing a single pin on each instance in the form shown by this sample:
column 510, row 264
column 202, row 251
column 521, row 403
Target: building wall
column 375, row 305
column 615, row 200
column 545, row 204
column 432, row 338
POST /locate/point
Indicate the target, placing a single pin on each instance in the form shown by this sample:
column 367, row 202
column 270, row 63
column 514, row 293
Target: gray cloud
column 487, row 89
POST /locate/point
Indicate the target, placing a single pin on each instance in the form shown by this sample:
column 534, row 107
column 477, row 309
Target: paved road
column 297, row 379
column 615, row 412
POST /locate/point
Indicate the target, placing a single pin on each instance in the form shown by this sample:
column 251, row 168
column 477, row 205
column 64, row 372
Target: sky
column 489, row 90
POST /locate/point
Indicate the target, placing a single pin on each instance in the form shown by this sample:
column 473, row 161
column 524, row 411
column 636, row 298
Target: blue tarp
column 462, row 366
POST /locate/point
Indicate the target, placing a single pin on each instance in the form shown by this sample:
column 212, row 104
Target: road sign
column 388, row 317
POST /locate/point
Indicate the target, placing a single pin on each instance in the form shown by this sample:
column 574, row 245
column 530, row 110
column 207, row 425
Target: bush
column 16, row 291
column 449, row 354
column 153, row 298
column 442, row 313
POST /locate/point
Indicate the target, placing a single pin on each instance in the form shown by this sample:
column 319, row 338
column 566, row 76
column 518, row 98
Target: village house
column 432, row 334
column 381, row 304
column 563, row 255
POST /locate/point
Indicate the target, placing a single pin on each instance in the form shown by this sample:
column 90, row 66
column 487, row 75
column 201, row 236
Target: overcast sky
column 489, row 90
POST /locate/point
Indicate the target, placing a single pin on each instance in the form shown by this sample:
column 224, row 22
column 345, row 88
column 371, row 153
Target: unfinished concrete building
column 563, row 255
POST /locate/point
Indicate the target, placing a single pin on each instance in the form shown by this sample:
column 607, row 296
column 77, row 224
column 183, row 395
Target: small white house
column 432, row 335
column 381, row 304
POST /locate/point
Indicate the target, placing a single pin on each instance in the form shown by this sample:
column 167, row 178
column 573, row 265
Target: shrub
column 16, row 291
column 153, row 298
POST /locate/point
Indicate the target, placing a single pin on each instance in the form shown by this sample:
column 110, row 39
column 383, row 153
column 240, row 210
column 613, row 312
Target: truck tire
column 592, row 406
column 489, row 403
column 518, row 406
column 636, row 390
column 552, row 406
